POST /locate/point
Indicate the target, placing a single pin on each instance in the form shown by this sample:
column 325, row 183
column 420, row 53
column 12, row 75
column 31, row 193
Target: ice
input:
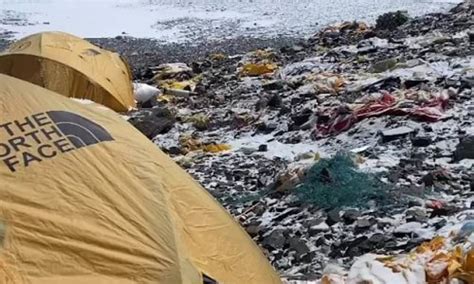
column 178, row 21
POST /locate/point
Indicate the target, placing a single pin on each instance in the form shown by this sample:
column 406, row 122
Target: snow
column 178, row 21
column 275, row 148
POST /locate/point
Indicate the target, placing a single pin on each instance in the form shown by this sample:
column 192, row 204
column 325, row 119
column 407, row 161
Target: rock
column 395, row 133
column 263, row 148
column 350, row 216
column 465, row 148
column 275, row 101
column 421, row 141
column 391, row 21
column 275, row 240
column 157, row 121
column 468, row 79
column 333, row 217
column 408, row 229
column 357, row 247
column 248, row 150
column 363, row 224
column 267, row 128
column 174, row 151
column 315, row 229
column 273, row 85
column 416, row 214
column 428, row 179
column 253, row 230
column 299, row 246
column 383, row 65
column 377, row 240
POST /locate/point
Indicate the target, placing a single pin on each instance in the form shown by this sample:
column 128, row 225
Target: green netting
column 336, row 182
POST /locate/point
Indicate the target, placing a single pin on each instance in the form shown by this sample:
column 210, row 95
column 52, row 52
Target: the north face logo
column 45, row 135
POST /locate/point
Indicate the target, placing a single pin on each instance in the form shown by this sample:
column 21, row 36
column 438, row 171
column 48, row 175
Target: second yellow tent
column 71, row 66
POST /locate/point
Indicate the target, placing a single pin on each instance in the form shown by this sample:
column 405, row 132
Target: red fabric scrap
column 388, row 104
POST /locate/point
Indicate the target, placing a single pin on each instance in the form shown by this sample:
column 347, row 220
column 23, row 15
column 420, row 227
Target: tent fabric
column 71, row 66
column 86, row 198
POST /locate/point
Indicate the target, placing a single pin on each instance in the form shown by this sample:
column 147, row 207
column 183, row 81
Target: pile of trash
column 259, row 129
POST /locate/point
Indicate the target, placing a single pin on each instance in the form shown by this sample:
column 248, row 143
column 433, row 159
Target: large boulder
column 153, row 122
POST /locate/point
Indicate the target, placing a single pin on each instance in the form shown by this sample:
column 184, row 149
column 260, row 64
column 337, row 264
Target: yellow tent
column 72, row 67
column 85, row 198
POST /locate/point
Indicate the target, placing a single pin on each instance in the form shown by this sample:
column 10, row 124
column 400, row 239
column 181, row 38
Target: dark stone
column 391, row 21
column 428, row 179
column 276, row 239
column 263, row 148
column 377, row 240
column 333, row 217
column 413, row 83
column 301, row 118
column 274, row 85
column 465, row 148
column 261, row 104
column 158, row 121
column 357, row 247
column 174, row 151
column 267, row 128
column 299, row 246
column 275, row 101
column 321, row 241
column 440, row 224
column 350, row 216
column 421, row 141
column 446, row 210
column 253, row 230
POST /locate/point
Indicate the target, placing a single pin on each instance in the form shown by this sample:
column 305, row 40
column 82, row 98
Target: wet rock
column 465, row 148
column 391, row 21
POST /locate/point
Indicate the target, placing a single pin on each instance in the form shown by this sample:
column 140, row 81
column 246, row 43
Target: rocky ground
column 260, row 131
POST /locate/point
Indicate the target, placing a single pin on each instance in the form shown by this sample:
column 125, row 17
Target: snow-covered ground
column 178, row 20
